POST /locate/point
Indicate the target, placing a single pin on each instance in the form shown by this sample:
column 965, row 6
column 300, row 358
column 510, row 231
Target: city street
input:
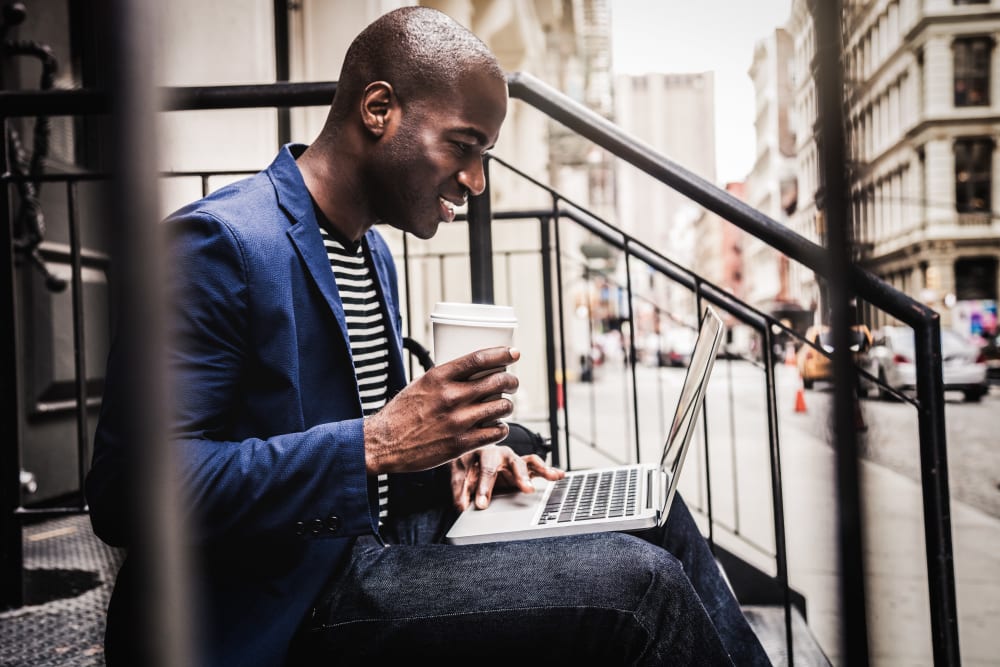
column 891, row 440
column 602, row 422
column 889, row 437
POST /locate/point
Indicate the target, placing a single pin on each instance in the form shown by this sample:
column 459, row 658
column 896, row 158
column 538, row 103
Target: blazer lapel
column 309, row 242
column 294, row 199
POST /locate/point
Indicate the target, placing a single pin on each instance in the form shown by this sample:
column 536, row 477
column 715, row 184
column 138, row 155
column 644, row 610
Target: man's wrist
column 372, row 429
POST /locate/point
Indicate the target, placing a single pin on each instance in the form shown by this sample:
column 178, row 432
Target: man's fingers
column 491, row 358
column 484, row 489
column 538, row 468
column 521, row 475
column 460, row 487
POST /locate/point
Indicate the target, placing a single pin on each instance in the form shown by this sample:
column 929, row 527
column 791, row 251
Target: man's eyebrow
column 481, row 138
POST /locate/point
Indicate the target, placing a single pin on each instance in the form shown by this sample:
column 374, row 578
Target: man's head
column 422, row 98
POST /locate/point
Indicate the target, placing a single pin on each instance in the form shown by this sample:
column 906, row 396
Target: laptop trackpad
column 513, row 501
column 509, row 512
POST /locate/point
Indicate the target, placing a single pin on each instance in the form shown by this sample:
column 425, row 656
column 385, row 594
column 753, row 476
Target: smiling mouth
column 448, row 208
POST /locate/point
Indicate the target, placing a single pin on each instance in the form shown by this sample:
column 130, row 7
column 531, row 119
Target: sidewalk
column 894, row 553
column 895, row 563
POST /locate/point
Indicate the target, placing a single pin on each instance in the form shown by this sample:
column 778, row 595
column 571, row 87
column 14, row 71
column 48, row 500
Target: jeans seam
column 626, row 612
column 638, row 619
column 469, row 613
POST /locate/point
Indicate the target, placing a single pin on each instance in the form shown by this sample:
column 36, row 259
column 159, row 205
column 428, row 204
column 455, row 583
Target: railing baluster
column 709, row 507
column 79, row 340
column 11, row 547
column 481, row 243
column 732, row 445
column 545, row 233
column 562, row 324
column 631, row 355
column 777, row 498
column 936, row 497
column 408, row 298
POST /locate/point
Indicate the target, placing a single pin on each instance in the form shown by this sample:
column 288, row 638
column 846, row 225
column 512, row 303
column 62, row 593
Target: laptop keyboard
column 595, row 495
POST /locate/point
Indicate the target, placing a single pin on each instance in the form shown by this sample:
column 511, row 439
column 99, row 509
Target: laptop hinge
column 652, row 489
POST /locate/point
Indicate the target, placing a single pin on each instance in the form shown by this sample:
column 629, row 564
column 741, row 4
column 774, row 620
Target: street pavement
column 603, row 422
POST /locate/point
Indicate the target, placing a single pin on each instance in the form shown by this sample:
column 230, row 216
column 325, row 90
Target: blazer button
column 317, row 526
column 300, row 528
column 333, row 523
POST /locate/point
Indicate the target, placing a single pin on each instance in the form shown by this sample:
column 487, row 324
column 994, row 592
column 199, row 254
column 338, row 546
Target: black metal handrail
column 924, row 321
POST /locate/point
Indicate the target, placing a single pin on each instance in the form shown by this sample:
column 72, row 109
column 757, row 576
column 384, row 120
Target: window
column 976, row 278
column 973, row 173
column 972, row 71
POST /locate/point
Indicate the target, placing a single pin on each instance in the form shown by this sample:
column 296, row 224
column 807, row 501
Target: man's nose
column 473, row 177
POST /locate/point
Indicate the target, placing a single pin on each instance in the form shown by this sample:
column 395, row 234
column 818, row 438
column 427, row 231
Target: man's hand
column 443, row 414
column 479, row 471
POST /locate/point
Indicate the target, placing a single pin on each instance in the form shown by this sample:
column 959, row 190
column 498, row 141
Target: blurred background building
column 921, row 89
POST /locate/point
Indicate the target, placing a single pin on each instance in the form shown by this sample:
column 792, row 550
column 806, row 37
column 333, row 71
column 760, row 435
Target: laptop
column 620, row 498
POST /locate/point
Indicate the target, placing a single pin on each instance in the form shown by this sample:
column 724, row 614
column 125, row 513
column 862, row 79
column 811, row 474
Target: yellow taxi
column 814, row 366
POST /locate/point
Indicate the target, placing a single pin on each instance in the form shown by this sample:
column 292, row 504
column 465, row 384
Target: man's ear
column 377, row 104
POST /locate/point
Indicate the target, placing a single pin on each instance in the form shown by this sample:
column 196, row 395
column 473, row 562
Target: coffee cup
column 461, row 328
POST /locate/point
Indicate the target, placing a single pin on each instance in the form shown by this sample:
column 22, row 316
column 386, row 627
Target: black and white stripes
column 366, row 329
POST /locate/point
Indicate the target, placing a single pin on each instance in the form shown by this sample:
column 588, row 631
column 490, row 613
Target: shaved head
column 419, row 102
column 419, row 51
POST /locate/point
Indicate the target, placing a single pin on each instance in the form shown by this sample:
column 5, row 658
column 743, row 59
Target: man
column 291, row 404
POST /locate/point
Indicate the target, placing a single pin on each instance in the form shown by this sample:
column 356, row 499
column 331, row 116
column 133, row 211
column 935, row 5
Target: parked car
column 990, row 352
column 814, row 366
column 893, row 363
column 677, row 345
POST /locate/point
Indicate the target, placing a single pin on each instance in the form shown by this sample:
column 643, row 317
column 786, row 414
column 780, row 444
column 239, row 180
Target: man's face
column 431, row 160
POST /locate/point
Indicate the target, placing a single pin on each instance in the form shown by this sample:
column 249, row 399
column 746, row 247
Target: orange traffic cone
column 789, row 355
column 800, row 398
column 560, row 396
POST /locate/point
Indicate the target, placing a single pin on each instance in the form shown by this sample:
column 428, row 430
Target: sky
column 676, row 36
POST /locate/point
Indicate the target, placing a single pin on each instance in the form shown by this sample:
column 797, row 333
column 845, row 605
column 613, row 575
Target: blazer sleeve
column 307, row 484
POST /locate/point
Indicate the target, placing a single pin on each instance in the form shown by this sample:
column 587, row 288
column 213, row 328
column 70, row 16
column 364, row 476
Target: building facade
column 922, row 112
column 667, row 112
column 771, row 184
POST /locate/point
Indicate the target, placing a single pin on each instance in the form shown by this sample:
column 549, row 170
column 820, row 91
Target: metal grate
column 68, row 579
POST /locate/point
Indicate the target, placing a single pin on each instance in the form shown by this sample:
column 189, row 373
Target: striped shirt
column 366, row 330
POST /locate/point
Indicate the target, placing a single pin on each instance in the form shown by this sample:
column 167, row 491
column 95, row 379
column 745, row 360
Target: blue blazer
column 267, row 417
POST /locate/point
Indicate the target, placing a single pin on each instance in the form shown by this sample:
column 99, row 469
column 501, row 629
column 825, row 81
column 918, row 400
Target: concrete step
column 769, row 623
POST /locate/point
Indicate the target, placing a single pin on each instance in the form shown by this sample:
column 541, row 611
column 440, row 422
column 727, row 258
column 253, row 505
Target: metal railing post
column 11, row 547
column 79, row 340
column 777, row 492
column 550, row 340
column 936, row 496
column 832, row 198
column 157, row 552
column 560, row 310
column 481, row 243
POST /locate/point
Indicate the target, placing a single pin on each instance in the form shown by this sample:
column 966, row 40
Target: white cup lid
column 481, row 313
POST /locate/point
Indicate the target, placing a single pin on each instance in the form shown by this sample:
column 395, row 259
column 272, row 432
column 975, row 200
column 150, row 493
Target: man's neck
column 334, row 190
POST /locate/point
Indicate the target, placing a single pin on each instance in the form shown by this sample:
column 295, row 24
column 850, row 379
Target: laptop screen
column 692, row 392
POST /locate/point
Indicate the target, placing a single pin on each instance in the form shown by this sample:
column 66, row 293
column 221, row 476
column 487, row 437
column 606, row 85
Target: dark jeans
column 610, row 598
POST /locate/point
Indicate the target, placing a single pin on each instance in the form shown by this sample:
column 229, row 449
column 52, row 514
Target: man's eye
column 462, row 146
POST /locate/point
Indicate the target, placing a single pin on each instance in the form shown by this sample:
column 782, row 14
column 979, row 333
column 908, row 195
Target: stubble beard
column 398, row 199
